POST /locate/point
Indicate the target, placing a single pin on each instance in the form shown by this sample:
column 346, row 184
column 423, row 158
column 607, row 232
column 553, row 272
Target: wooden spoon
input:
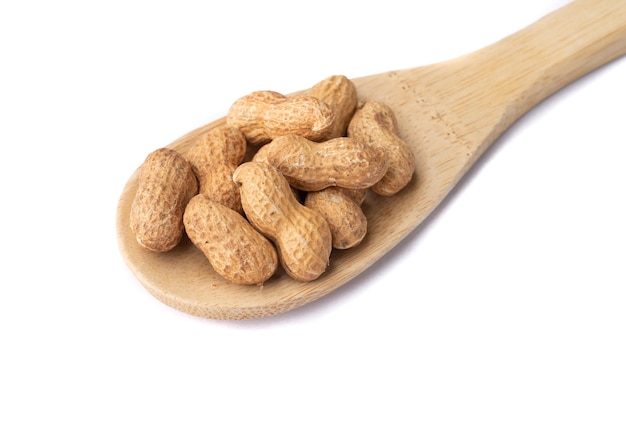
column 449, row 113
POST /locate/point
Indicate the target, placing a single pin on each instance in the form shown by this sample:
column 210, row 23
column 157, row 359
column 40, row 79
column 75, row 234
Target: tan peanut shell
column 165, row 185
column 236, row 250
column 265, row 115
column 301, row 235
column 340, row 94
column 312, row 166
column 375, row 124
column 214, row 157
column 357, row 195
column 347, row 222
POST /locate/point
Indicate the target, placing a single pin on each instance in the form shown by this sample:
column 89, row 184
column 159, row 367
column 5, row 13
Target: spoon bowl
column 449, row 113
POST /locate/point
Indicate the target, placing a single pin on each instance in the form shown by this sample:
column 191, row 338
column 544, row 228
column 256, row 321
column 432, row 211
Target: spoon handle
column 554, row 51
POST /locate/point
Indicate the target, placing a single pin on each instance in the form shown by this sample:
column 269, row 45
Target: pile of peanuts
column 312, row 159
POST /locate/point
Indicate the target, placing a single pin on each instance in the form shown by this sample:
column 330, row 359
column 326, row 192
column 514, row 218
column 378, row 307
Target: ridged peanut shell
column 237, row 251
column 302, row 236
column 357, row 195
column 214, row 157
column 165, row 185
column 340, row 94
column 347, row 222
column 265, row 115
column 312, row 166
column 375, row 124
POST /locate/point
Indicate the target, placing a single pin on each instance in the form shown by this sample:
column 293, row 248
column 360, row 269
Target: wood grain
column 449, row 113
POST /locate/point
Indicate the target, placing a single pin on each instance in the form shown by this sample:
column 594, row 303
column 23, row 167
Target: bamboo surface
column 449, row 113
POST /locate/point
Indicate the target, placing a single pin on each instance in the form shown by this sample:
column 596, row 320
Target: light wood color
column 449, row 113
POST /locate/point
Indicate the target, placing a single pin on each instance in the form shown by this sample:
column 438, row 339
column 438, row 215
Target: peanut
column 234, row 248
column 375, row 124
column 165, row 185
column 265, row 115
column 318, row 153
column 340, row 94
column 312, row 166
column 341, row 209
column 301, row 235
column 214, row 157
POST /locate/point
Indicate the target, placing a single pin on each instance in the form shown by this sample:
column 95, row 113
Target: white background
column 508, row 305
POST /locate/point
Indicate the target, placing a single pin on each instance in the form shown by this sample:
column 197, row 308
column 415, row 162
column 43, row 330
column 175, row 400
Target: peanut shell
column 312, row 166
column 347, row 222
column 236, row 250
column 165, row 185
column 302, row 236
column 374, row 123
column 214, row 157
column 265, row 115
column 340, row 94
